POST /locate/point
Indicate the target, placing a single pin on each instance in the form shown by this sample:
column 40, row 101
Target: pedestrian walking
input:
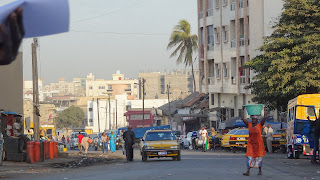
column 85, row 143
column 213, row 135
column 193, row 140
column 104, row 140
column 79, row 142
column 203, row 134
column 269, row 138
column 255, row 147
column 314, row 136
column 68, row 139
column 122, row 142
column 129, row 138
column 63, row 139
column 112, row 140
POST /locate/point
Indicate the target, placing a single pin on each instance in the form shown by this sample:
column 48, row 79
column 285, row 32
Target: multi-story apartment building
column 79, row 86
column 117, row 86
column 230, row 32
column 64, row 87
column 181, row 84
column 28, row 89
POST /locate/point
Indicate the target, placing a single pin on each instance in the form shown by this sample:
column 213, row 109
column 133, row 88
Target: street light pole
column 143, row 93
column 169, row 112
column 35, row 79
column 98, row 114
column 109, row 113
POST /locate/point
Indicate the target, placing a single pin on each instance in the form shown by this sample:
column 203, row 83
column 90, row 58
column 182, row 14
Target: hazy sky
column 109, row 35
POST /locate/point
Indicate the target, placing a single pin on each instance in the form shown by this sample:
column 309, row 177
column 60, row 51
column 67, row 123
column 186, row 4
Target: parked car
column 159, row 144
column 239, row 139
column 226, row 138
column 279, row 140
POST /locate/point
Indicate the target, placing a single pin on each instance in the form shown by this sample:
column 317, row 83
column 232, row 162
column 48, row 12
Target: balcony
column 242, row 80
column 210, row 47
column 233, row 43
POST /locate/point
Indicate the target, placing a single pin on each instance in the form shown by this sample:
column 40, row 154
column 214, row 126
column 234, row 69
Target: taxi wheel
column 144, row 157
column 179, row 157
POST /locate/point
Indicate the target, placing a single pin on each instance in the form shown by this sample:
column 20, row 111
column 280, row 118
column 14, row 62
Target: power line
column 120, row 33
column 106, row 14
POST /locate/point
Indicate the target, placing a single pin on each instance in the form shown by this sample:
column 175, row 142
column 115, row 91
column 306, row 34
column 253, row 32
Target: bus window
column 310, row 112
column 49, row 131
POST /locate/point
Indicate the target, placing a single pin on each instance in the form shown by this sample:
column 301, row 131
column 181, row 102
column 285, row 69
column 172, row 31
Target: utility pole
column 116, row 114
column 98, row 114
column 109, row 113
column 36, row 110
column 143, row 93
column 169, row 112
column 105, row 125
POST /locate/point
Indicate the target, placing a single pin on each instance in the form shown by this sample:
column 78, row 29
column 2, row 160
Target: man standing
column 315, row 133
column 129, row 138
column 213, row 135
column 79, row 142
column 264, row 136
column 193, row 140
column 269, row 138
column 203, row 134
column 122, row 141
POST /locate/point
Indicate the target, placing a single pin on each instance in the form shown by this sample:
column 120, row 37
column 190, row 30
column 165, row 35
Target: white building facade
column 28, row 90
column 230, row 32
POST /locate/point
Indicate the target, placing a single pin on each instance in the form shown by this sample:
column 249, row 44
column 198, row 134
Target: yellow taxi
column 239, row 139
column 159, row 144
column 279, row 140
column 225, row 138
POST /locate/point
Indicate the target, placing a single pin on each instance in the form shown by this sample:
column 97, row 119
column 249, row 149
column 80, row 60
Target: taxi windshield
column 160, row 136
column 233, row 131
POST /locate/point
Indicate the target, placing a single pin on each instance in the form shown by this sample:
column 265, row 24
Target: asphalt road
column 194, row 165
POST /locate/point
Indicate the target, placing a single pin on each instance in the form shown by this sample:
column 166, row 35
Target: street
column 194, row 165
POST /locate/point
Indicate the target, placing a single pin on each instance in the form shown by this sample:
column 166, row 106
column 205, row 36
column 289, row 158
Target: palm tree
column 186, row 44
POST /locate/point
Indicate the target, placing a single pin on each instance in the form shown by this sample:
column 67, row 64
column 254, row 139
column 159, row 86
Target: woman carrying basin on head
column 255, row 146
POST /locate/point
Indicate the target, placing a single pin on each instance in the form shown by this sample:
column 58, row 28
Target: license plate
column 240, row 143
column 241, row 138
column 162, row 153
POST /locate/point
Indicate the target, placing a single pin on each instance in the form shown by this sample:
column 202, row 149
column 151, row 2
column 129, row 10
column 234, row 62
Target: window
column 139, row 116
column 225, row 33
column 239, row 112
column 217, row 32
column 91, row 120
column 162, row 84
column 217, row 67
column 110, row 87
column 241, row 3
column 225, row 70
column 212, row 99
column 210, row 38
column 102, row 87
column 210, row 8
column 233, row 5
column 90, row 109
column 310, row 112
column 217, row 2
column 242, row 71
column 90, row 87
column 232, row 112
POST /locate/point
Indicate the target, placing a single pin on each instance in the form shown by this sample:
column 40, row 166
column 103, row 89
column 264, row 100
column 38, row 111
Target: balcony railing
column 233, row 43
column 242, row 80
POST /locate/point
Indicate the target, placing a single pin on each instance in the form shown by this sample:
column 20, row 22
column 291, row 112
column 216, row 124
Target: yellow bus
column 298, row 110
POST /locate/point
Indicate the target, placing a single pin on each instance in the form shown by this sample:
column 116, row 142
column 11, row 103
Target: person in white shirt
column 203, row 134
column 269, row 138
column 17, row 128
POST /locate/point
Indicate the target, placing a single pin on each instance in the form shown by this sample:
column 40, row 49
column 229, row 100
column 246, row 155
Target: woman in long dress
column 112, row 142
column 255, row 146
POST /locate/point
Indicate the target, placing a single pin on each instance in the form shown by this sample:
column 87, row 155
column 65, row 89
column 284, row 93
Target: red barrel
column 36, row 151
column 55, row 149
column 30, row 152
column 51, row 150
column 46, row 149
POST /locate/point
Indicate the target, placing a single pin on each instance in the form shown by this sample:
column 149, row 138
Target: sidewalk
column 66, row 161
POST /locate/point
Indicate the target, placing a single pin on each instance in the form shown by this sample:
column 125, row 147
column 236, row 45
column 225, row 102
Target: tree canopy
column 70, row 118
column 290, row 61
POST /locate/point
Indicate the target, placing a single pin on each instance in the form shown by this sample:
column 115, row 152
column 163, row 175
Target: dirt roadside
column 65, row 162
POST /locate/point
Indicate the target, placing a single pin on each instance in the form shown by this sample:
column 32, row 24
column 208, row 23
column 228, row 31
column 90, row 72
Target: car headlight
column 174, row 147
column 149, row 147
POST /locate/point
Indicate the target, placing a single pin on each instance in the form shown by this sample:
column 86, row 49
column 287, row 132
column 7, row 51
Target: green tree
column 70, row 118
column 290, row 61
column 185, row 45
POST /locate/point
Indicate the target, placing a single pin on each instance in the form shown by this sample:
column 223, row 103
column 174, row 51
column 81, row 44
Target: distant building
column 79, row 86
column 47, row 112
column 98, row 113
column 117, row 86
column 28, row 90
column 181, row 84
